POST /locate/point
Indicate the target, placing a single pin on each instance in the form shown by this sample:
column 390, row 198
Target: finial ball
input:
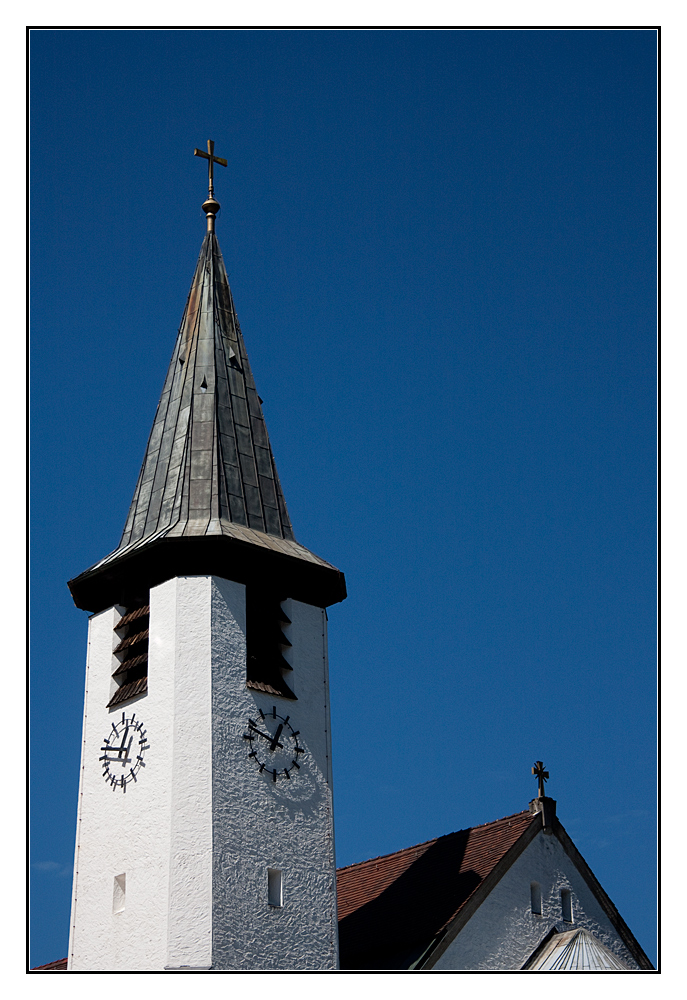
column 211, row 207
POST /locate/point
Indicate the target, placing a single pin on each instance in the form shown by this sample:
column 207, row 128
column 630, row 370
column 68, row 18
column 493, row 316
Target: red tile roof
column 392, row 907
column 59, row 966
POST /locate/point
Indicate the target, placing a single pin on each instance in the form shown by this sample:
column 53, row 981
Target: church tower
column 205, row 837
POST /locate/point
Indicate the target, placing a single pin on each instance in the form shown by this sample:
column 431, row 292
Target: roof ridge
column 433, row 840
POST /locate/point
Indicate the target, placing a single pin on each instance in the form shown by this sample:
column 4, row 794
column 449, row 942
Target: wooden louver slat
column 131, row 673
column 127, row 691
column 265, row 666
column 132, row 616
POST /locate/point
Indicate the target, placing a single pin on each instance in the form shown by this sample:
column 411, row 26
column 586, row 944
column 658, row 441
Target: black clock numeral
column 274, row 775
column 286, row 772
column 297, row 733
column 296, row 764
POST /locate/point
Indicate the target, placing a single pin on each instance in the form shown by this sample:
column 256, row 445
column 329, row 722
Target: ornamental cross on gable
column 212, row 159
column 541, row 775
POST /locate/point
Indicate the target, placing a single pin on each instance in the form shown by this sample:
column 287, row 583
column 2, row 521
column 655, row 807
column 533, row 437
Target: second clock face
column 273, row 745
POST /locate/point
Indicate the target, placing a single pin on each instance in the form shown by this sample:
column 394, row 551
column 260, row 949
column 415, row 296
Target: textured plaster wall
column 197, row 832
column 259, row 824
column 123, row 832
column 503, row 932
column 184, row 630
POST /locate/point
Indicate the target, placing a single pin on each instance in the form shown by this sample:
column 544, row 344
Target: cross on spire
column 212, row 159
column 541, row 775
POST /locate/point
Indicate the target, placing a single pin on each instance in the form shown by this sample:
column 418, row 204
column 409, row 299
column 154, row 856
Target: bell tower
column 205, row 836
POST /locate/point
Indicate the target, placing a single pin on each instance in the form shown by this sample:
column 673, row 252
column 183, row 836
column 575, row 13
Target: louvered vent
column 266, row 624
column 131, row 654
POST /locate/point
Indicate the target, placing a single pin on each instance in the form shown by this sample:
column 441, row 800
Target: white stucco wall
column 197, row 832
column 123, row 833
column 182, row 628
column 259, row 824
column 503, row 932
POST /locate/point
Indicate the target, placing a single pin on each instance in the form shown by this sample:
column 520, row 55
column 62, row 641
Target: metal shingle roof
column 208, row 457
column 574, row 951
column 208, row 470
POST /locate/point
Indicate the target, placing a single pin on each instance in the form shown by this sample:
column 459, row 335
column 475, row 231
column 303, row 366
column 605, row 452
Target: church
column 207, row 736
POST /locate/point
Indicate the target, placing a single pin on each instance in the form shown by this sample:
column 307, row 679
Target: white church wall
column 183, row 623
column 173, row 872
column 503, row 932
column 285, row 826
column 123, row 833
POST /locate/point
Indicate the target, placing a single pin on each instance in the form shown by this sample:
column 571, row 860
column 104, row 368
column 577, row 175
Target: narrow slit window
column 535, row 898
column 119, row 894
column 275, row 887
column 566, row 906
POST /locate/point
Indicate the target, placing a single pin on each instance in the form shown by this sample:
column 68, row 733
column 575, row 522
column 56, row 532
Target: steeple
column 208, row 497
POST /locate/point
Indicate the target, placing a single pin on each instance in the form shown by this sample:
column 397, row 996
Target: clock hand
column 266, row 736
column 275, row 742
column 271, row 740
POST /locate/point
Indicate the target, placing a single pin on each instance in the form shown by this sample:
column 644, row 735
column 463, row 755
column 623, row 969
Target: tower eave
column 128, row 578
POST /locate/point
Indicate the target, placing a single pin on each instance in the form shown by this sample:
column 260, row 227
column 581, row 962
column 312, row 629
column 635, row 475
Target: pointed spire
column 208, row 497
column 208, row 459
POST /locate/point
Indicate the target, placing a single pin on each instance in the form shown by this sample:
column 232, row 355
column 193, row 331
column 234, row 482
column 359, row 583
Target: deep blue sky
column 442, row 250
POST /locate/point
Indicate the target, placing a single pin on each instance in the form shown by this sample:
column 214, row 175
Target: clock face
column 124, row 750
column 273, row 745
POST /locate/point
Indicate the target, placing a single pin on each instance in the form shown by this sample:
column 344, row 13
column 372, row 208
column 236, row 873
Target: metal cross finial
column 542, row 776
column 211, row 206
column 212, row 159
